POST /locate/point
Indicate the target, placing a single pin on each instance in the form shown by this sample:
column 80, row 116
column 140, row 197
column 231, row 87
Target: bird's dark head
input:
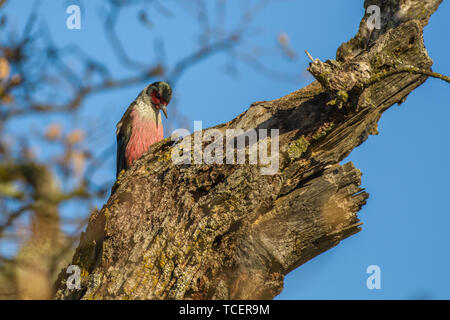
column 160, row 94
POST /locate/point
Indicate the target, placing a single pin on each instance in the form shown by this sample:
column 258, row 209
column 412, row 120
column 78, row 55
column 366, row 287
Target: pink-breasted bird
column 141, row 125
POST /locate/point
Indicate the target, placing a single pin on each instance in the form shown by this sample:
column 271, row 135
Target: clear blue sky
column 405, row 168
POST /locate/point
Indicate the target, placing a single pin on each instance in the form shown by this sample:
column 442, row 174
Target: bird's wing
column 123, row 133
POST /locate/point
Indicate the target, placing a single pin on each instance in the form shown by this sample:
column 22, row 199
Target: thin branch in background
column 118, row 48
column 200, row 55
column 11, row 217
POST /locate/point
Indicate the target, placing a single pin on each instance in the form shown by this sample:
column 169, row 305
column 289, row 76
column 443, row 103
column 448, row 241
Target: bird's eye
column 156, row 97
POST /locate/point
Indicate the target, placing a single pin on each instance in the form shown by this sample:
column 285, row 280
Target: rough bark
column 227, row 231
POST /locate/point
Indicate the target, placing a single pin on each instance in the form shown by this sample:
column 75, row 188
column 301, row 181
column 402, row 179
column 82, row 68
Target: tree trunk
column 202, row 231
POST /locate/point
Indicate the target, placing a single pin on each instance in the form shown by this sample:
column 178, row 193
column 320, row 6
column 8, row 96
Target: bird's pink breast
column 144, row 133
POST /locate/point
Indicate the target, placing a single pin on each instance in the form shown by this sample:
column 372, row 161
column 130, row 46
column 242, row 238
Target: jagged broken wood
column 226, row 231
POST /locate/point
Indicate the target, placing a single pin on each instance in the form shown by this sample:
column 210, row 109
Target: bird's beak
column 164, row 109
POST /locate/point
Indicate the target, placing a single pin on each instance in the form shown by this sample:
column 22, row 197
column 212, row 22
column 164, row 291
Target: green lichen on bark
column 322, row 131
column 297, row 148
column 341, row 99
